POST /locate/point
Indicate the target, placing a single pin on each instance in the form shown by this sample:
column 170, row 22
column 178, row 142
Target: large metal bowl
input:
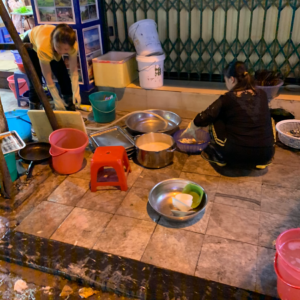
column 144, row 122
column 160, row 198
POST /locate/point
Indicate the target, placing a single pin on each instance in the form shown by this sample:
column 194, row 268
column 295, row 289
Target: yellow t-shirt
column 40, row 37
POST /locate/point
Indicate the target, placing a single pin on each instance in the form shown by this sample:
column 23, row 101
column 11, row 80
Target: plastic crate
column 115, row 69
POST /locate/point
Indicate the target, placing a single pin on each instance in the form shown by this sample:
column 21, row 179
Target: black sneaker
column 211, row 154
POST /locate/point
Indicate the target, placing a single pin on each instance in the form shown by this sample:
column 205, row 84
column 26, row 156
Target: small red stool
column 112, row 156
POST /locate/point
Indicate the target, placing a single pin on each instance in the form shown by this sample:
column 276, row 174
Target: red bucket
column 23, row 87
column 67, row 149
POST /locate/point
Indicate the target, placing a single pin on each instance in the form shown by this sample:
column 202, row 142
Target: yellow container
column 115, row 69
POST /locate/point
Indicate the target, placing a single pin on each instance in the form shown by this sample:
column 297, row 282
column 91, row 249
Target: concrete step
column 188, row 98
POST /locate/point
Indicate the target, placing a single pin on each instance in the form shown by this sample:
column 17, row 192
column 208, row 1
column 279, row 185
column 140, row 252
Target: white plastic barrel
column 151, row 71
column 145, row 37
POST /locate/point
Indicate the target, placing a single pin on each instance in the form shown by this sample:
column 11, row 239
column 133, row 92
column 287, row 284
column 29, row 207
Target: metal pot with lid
column 155, row 150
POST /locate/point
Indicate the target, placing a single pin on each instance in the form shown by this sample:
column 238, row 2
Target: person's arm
column 209, row 115
column 47, row 73
column 74, row 79
column 204, row 118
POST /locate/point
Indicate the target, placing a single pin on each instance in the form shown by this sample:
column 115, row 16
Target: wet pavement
column 41, row 286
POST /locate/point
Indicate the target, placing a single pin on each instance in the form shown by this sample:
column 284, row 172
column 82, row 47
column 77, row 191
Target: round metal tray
column 144, row 122
column 160, row 198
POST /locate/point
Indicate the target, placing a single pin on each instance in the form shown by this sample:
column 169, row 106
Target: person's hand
column 58, row 102
column 75, row 89
column 190, row 131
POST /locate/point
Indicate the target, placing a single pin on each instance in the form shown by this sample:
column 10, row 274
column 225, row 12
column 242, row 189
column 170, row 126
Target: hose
column 135, row 112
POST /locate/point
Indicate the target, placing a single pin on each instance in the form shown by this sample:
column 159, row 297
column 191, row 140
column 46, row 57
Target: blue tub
column 19, row 121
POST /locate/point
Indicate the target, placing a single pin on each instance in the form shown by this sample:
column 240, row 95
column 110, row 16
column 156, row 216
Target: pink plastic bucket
column 67, row 150
column 286, row 291
column 288, row 249
column 23, row 87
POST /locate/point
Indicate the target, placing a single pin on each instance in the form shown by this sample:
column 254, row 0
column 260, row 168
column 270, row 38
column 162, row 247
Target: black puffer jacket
column 241, row 118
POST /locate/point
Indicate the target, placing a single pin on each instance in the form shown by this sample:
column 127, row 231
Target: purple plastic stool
column 17, row 75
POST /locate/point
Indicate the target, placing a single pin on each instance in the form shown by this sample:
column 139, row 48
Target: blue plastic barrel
column 104, row 110
column 19, row 121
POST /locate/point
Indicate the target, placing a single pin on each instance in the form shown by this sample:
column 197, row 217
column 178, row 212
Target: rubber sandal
column 262, row 167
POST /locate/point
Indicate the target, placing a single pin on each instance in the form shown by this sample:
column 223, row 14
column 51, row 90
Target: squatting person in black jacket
column 240, row 123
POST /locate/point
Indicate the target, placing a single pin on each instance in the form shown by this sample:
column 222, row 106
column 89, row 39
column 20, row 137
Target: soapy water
column 291, row 252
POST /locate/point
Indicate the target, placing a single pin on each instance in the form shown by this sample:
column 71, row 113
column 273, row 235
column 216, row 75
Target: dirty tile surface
column 104, row 200
column 283, row 176
column 239, row 193
column 228, row 261
column 174, row 249
column 45, row 219
column 70, row 191
column 125, row 236
column 234, row 223
column 272, row 225
column 266, row 279
column 82, row 227
column 136, row 205
column 281, row 201
column 231, row 241
column 196, row 164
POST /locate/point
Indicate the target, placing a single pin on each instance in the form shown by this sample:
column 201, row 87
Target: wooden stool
column 112, row 156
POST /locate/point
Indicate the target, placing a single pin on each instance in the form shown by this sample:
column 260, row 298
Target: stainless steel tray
column 11, row 142
column 113, row 136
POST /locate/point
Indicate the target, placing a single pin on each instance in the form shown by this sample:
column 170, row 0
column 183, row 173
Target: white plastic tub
column 145, row 37
column 151, row 71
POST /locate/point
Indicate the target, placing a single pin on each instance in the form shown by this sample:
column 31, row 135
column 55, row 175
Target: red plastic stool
column 112, row 156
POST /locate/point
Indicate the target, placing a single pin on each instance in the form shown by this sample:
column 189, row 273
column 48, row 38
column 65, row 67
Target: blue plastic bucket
column 104, row 110
column 19, row 121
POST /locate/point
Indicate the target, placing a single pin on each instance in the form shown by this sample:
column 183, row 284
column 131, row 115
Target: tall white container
column 145, row 37
column 151, row 71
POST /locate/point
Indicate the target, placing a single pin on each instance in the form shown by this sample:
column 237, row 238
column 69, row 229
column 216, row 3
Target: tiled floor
column 231, row 242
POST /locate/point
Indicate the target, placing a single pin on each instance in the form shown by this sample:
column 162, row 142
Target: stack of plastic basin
column 287, row 264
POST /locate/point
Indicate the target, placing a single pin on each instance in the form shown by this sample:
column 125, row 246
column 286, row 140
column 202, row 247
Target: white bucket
column 145, row 37
column 151, row 71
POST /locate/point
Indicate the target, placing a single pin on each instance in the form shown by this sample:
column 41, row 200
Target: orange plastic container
column 23, row 87
column 67, row 149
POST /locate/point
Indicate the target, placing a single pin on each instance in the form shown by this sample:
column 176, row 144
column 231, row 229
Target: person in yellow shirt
column 49, row 44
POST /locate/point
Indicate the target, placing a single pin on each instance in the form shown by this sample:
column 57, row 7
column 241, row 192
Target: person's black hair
column 239, row 71
column 64, row 34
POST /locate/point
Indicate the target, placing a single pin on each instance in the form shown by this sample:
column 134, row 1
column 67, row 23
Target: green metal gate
column 200, row 37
